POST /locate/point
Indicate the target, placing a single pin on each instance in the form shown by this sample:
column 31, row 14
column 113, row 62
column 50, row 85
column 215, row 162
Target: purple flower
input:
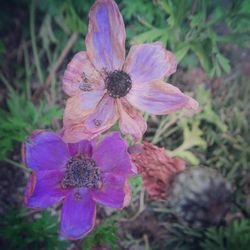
column 105, row 86
column 78, row 174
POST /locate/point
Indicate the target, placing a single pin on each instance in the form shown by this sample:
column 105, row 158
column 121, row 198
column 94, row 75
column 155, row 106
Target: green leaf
column 188, row 157
column 149, row 36
column 224, row 62
column 181, row 53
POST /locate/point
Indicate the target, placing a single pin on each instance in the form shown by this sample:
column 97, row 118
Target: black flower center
column 81, row 172
column 118, row 83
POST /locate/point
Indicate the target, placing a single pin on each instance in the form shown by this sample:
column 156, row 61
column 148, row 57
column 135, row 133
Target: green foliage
column 235, row 236
column 136, row 186
column 70, row 14
column 189, row 130
column 105, row 233
column 183, row 237
column 191, row 28
column 21, row 232
column 21, row 118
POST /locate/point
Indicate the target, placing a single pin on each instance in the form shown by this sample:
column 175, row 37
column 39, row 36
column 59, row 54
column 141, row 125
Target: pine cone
column 200, row 197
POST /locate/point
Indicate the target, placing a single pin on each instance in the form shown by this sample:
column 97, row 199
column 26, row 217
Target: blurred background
column 211, row 42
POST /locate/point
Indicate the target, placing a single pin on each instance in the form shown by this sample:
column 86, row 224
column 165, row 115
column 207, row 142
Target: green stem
column 19, row 165
column 28, row 73
column 33, row 41
column 5, row 81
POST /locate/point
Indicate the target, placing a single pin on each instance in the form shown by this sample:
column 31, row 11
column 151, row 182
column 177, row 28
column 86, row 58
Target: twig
column 145, row 238
column 56, row 66
column 162, row 128
column 141, row 208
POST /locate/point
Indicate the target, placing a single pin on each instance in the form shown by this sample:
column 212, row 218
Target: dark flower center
column 118, row 83
column 81, row 172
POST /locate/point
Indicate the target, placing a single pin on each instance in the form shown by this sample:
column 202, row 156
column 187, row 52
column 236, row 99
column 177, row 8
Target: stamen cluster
column 118, row 83
column 81, row 172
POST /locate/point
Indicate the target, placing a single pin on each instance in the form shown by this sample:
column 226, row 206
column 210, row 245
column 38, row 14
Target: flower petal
column 79, row 106
column 128, row 194
column 104, row 116
column 131, row 122
column 112, row 193
column 148, row 62
column 83, row 147
column 111, row 155
column 74, row 133
column 44, row 189
column 159, row 98
column 78, row 214
column 45, row 151
column 105, row 41
column 81, row 76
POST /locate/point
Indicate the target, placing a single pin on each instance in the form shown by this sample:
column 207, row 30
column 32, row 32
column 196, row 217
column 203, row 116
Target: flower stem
column 33, row 41
column 19, row 165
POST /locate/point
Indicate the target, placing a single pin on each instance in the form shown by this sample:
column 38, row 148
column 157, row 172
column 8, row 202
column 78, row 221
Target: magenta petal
column 45, row 151
column 113, row 192
column 44, row 189
column 148, row 62
column 131, row 121
column 159, row 98
column 81, row 76
column 105, row 41
column 83, row 148
column 78, row 214
column 103, row 117
column 111, row 155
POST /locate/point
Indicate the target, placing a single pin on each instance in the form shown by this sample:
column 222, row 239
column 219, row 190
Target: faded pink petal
column 74, row 133
column 159, row 98
column 78, row 214
column 103, row 117
column 128, row 194
column 148, row 62
column 81, row 76
column 79, row 106
column 131, row 121
column 112, row 193
column 105, row 41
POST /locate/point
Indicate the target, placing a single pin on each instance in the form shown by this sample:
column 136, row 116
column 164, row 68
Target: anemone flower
column 104, row 87
column 78, row 175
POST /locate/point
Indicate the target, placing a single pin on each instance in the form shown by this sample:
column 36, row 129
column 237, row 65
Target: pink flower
column 79, row 175
column 156, row 168
column 104, row 87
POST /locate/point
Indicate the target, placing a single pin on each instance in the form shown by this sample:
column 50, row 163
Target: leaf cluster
column 193, row 30
column 231, row 237
column 18, row 231
column 105, row 234
column 21, row 118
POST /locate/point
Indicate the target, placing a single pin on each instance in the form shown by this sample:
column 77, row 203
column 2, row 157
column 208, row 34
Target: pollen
column 81, row 172
column 97, row 122
column 118, row 83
